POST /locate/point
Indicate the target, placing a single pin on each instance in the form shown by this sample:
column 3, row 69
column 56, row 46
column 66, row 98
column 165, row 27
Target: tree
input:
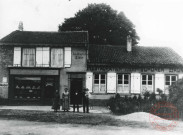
column 105, row 25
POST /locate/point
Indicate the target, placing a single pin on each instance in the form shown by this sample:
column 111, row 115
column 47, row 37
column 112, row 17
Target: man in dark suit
column 76, row 101
column 86, row 100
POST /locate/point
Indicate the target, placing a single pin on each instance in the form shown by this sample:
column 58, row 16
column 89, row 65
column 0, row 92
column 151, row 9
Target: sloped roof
column 140, row 56
column 35, row 37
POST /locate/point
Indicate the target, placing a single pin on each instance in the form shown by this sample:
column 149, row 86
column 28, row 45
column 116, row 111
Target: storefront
column 33, row 83
column 34, row 87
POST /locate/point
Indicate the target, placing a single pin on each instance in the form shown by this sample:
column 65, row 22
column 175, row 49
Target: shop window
column 147, row 83
column 57, row 57
column 99, row 83
column 28, row 57
column 17, row 57
column 123, row 83
column 27, row 87
column 42, row 56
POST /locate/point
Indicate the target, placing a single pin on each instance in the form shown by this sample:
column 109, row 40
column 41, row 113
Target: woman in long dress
column 65, row 98
column 56, row 101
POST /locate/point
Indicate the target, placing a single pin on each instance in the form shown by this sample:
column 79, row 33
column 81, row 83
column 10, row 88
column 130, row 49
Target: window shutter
column 111, row 82
column 46, row 56
column 67, row 57
column 159, row 82
column 39, row 56
column 135, row 83
column 17, row 56
column 89, row 81
column 180, row 76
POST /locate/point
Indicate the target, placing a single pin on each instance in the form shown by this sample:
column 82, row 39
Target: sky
column 158, row 22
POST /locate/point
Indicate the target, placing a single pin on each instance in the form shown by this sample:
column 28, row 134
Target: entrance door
column 49, row 87
column 76, row 85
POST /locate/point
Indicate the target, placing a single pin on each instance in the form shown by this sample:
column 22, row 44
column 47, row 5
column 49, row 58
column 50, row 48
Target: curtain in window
column 57, row 57
column 42, row 56
column 28, row 57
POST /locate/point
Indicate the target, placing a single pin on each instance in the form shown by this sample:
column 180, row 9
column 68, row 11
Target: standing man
column 86, row 100
column 76, row 101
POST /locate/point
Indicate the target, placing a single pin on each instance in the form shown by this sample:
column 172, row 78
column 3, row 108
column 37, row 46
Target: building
column 34, row 64
column 116, row 69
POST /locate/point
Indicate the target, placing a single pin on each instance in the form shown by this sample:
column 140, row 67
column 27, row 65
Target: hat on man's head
column 86, row 89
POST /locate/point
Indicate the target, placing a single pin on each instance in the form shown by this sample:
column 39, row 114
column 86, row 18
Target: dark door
column 76, row 85
column 49, row 87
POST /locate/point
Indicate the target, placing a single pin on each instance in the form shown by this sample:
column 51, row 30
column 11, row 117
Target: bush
column 176, row 94
column 125, row 105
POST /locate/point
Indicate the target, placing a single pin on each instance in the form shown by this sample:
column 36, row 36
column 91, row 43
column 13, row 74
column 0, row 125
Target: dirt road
column 16, row 127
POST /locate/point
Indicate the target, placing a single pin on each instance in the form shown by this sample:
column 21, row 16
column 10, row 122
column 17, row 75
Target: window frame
column 57, row 66
column 171, row 75
column 147, row 82
column 22, row 58
column 123, row 82
column 100, row 83
column 42, row 61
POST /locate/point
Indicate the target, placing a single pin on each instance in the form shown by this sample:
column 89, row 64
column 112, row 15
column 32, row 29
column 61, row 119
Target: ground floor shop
column 41, row 84
column 33, row 87
column 32, row 83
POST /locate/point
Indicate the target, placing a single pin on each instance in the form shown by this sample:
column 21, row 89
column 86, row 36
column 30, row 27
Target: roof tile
column 140, row 56
column 34, row 37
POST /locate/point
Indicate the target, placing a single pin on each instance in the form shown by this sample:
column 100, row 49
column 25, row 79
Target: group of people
column 66, row 101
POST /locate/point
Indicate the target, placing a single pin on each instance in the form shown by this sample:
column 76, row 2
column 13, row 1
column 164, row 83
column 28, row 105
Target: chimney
column 20, row 26
column 129, row 44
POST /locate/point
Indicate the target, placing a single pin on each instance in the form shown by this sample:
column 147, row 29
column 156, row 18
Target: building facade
column 34, row 64
column 131, row 71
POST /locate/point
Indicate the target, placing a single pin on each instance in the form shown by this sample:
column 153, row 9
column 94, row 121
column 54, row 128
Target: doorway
column 76, row 85
column 50, row 87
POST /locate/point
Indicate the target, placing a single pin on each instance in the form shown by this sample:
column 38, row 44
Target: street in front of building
column 22, row 127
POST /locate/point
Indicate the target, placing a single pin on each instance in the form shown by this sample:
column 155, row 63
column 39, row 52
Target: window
column 57, row 57
column 99, row 83
column 17, row 57
column 147, row 83
column 27, row 87
column 123, row 83
column 170, row 79
column 28, row 57
column 42, row 56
